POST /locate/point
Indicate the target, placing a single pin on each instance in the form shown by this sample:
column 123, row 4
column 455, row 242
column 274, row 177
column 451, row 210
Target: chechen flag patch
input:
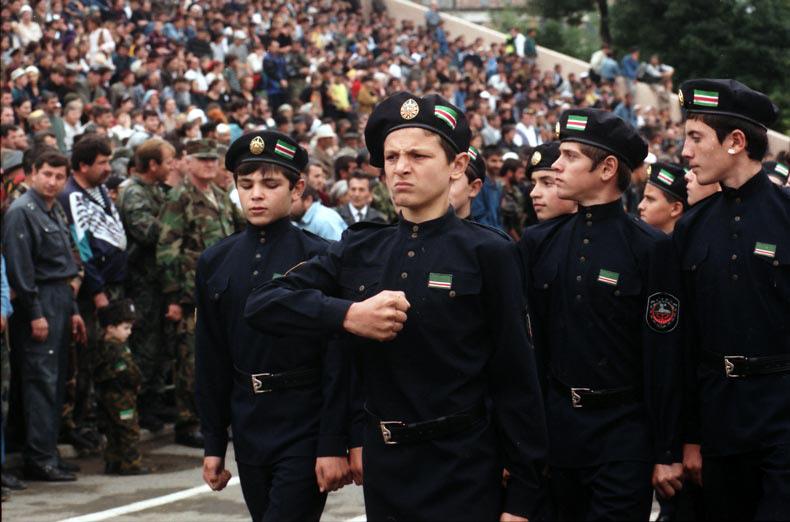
column 665, row 177
column 447, row 115
column 578, row 123
column 473, row 152
column 706, row 98
column 782, row 169
column 765, row 249
column 444, row 281
column 608, row 277
column 284, row 150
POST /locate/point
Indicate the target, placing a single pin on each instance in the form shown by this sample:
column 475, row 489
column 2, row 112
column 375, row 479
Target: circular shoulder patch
column 662, row 313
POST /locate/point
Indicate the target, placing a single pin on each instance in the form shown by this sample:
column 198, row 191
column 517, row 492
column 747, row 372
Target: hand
column 76, row 283
column 332, row 473
column 505, row 477
column 174, row 312
column 667, row 479
column 214, row 473
column 100, row 300
column 2, row 323
column 39, row 329
column 507, row 517
column 355, row 462
column 380, row 317
column 78, row 331
column 692, row 462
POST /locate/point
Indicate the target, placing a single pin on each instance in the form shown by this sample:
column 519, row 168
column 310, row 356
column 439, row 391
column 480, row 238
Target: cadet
column 285, row 397
column 465, row 188
column 117, row 381
column 140, row 205
column 544, row 197
column 604, row 295
column 197, row 214
column 735, row 250
column 435, row 304
column 665, row 197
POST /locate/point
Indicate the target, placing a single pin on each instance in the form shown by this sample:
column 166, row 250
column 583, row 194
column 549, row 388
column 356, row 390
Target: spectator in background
column 432, row 17
column 358, row 208
column 625, row 110
column 276, row 76
column 72, row 126
column 629, row 67
column 308, row 213
column 27, row 29
column 317, row 179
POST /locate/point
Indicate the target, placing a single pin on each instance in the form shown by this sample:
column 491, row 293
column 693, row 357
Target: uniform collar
column 600, row 212
column 427, row 227
column 757, row 182
column 35, row 196
column 270, row 231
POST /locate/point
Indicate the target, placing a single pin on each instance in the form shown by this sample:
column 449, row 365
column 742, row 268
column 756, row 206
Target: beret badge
column 409, row 110
column 536, row 158
column 257, row 145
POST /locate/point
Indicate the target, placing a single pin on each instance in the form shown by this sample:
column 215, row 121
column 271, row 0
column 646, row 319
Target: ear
column 458, row 166
column 608, row 168
column 296, row 192
column 676, row 210
column 475, row 187
column 736, row 142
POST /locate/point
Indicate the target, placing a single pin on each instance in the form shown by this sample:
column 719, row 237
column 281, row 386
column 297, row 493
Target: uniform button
column 415, row 228
column 776, row 262
column 693, row 267
column 361, row 288
column 404, row 275
column 216, row 296
column 588, row 215
column 734, row 277
column 255, row 272
column 589, row 223
column 452, row 293
column 257, row 256
column 263, row 240
column 737, row 200
column 578, row 278
column 582, row 259
column 410, row 253
column 734, row 257
column 586, row 241
column 617, row 292
column 545, row 285
column 735, row 236
column 578, row 297
column 414, row 236
column 737, row 218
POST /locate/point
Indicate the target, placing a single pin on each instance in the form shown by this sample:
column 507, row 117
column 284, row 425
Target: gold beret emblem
column 680, row 97
column 649, row 169
column 257, row 145
column 536, row 158
column 557, row 130
column 409, row 110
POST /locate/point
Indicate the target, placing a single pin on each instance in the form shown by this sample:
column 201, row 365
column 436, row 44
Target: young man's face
column 544, row 197
column 656, row 210
column 416, row 168
column 118, row 332
column 707, row 158
column 316, row 177
column 493, row 165
column 462, row 192
column 359, row 192
column 266, row 195
column 48, row 181
column 697, row 192
column 574, row 178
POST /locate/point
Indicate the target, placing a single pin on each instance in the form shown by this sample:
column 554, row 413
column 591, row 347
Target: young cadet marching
column 665, row 197
column 435, row 304
column 735, row 248
column 284, row 397
column 464, row 189
column 544, row 197
column 117, row 379
column 603, row 292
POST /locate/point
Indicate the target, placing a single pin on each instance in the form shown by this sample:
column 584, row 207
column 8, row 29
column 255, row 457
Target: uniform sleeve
column 140, row 220
column 18, row 247
column 213, row 372
column 303, row 301
column 663, row 351
column 335, row 410
column 169, row 246
column 517, row 400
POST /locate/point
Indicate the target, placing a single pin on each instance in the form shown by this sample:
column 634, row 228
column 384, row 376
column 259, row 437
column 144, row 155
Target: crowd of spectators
column 132, row 70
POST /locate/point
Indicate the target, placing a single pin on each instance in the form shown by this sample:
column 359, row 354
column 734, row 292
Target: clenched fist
column 380, row 317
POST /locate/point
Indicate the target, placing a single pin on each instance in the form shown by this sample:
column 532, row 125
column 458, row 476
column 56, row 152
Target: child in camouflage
column 117, row 381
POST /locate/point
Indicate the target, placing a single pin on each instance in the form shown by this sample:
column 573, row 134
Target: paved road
column 177, row 476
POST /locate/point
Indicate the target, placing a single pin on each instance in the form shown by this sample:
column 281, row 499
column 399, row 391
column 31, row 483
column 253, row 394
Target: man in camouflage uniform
column 196, row 215
column 140, row 205
column 117, row 381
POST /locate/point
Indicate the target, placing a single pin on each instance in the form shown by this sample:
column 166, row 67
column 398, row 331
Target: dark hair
column 597, row 155
column 342, row 163
column 358, row 174
column 88, row 148
column 756, row 136
column 449, row 151
column 509, row 165
column 52, row 158
column 310, row 192
column 671, row 198
column 7, row 128
column 149, row 113
column 245, row 169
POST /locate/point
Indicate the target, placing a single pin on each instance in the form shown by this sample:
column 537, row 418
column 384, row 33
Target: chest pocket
column 696, row 267
column 462, row 284
column 544, row 277
column 773, row 271
column 620, row 301
column 216, row 287
column 358, row 285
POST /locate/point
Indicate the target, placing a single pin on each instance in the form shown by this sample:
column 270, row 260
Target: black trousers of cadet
column 750, row 486
column 609, row 491
column 283, row 492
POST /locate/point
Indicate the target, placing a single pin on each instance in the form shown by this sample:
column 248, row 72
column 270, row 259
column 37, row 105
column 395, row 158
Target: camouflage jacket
column 382, row 201
column 140, row 204
column 190, row 223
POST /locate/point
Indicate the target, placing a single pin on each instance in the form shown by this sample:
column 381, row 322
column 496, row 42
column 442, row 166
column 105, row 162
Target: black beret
column 670, row 178
column 777, row 170
column 543, row 157
column 267, row 147
column 477, row 163
column 117, row 312
column 403, row 109
column 729, row 98
column 604, row 130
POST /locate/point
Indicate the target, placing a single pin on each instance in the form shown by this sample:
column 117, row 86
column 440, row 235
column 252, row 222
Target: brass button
column 255, row 272
column 735, row 236
column 737, row 200
column 410, row 253
column 263, row 233
column 589, row 223
column 578, row 297
column 578, row 278
column 737, row 218
column 776, row 262
column 588, row 215
column 693, row 267
column 734, row 257
column 734, row 277
column 582, row 259
column 263, row 240
column 617, row 292
column 361, row 288
column 415, row 228
column 414, row 236
column 452, row 293
column 404, row 275
column 216, row 296
column 586, row 241
column 545, row 285
column 257, row 256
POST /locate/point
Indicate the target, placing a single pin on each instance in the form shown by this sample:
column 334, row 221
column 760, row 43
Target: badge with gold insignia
column 409, row 110
column 557, row 131
column 680, row 97
column 257, row 145
column 536, row 158
column 649, row 170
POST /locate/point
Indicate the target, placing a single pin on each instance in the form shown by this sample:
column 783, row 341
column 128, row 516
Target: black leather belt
column 589, row 398
column 268, row 382
column 736, row 366
column 399, row 432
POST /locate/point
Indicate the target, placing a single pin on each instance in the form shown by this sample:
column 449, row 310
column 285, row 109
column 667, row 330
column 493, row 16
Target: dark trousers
column 43, row 373
column 609, row 491
column 284, row 491
column 750, row 486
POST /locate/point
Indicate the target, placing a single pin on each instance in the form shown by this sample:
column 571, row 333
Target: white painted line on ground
column 145, row 504
column 360, row 518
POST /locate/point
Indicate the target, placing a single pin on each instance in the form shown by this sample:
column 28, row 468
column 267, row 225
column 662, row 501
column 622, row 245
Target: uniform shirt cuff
column 331, row 446
column 520, row 499
column 36, row 312
column 215, row 445
column 334, row 313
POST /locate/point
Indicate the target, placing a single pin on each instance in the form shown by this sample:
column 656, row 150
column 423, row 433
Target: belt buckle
column 729, row 365
column 576, row 399
column 386, row 434
column 257, row 384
